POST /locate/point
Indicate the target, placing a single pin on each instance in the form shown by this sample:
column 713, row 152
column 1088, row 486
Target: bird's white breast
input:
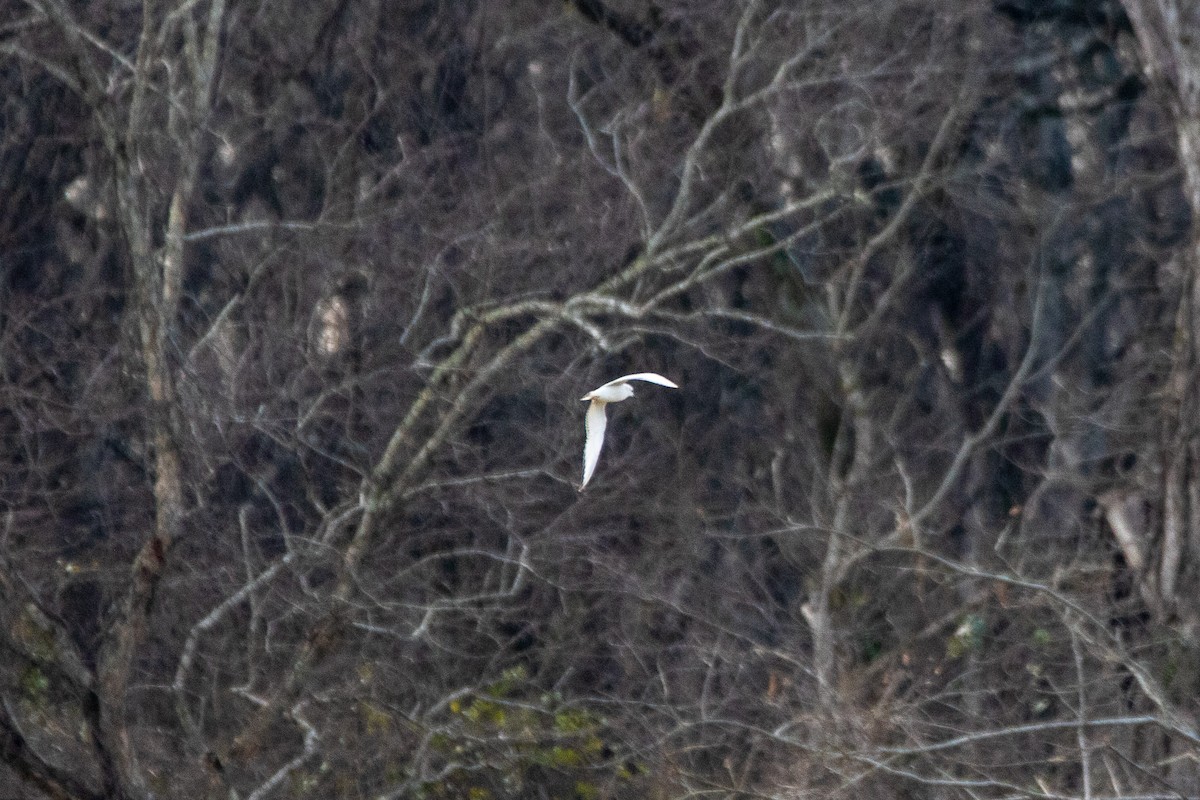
column 613, row 394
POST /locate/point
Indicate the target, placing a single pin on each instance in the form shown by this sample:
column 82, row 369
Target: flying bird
column 597, row 419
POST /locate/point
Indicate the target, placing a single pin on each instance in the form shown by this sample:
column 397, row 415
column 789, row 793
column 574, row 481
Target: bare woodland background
column 298, row 298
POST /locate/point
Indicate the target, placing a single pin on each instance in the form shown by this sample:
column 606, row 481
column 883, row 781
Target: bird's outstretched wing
column 649, row 377
column 596, row 422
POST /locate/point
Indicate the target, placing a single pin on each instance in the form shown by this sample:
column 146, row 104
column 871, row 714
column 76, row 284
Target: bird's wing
column 596, row 422
column 650, row 377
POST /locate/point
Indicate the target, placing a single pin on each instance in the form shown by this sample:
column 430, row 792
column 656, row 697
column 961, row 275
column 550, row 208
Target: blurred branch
column 207, row 623
column 18, row 755
column 311, row 741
